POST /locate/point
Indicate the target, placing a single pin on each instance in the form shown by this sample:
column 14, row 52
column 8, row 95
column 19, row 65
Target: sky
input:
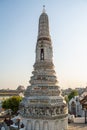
column 18, row 36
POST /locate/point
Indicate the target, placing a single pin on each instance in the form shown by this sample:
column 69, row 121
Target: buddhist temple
column 43, row 107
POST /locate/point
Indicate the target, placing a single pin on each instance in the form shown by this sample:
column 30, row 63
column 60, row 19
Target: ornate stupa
column 43, row 107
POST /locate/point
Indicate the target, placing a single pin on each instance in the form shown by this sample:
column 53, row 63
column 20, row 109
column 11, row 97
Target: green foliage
column 12, row 103
column 72, row 94
column 66, row 98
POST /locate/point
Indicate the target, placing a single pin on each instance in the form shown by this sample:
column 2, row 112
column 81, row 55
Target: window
column 42, row 54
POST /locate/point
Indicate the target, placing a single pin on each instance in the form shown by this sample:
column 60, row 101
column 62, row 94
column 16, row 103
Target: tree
column 73, row 94
column 12, row 103
column 66, row 98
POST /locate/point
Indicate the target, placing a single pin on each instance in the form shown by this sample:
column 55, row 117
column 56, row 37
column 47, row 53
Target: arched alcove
column 29, row 125
column 45, row 126
column 73, row 108
column 37, row 125
column 56, row 125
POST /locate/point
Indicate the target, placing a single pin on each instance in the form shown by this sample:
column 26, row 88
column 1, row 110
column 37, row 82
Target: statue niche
column 42, row 54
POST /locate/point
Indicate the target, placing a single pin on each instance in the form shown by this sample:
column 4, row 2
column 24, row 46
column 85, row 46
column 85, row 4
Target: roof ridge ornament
column 43, row 9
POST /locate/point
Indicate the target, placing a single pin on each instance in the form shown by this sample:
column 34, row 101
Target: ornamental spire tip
column 44, row 9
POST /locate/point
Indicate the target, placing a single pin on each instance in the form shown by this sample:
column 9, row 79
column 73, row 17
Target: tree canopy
column 12, row 103
column 73, row 94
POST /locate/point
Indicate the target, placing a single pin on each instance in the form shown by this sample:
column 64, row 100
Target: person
column 22, row 127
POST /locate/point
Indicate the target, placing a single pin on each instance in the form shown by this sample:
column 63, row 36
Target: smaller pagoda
column 43, row 107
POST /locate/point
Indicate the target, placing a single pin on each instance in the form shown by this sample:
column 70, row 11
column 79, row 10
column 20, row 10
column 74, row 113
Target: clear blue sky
column 18, row 36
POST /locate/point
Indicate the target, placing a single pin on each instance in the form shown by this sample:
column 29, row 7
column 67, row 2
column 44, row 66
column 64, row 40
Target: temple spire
column 43, row 9
column 43, row 107
column 43, row 27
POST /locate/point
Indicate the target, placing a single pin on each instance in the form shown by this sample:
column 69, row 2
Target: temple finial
column 44, row 9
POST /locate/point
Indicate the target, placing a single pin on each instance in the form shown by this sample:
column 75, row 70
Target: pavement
column 74, row 126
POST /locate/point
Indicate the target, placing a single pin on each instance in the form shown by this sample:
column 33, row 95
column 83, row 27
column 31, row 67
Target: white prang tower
column 43, row 107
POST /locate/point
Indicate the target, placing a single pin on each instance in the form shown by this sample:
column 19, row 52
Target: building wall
column 39, row 124
column 79, row 111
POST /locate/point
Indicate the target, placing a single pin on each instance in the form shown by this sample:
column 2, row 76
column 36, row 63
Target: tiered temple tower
column 43, row 107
